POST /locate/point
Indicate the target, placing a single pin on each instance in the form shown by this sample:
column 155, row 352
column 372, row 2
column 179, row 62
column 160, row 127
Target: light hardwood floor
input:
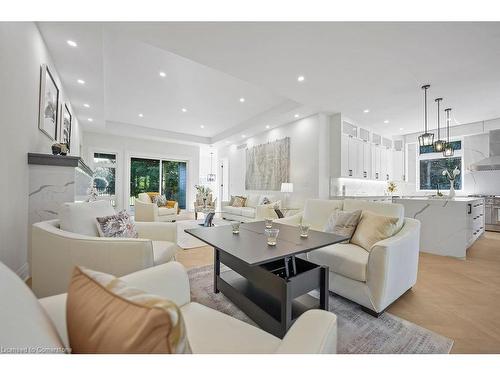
column 459, row 299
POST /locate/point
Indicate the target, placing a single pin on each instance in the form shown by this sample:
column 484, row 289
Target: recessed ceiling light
column 227, row 142
column 401, row 128
column 243, row 136
column 81, row 81
column 267, row 126
column 296, row 115
column 242, row 100
column 90, row 120
column 202, row 126
column 366, row 110
column 184, row 110
column 300, row 78
column 163, row 74
column 71, row 43
column 86, row 105
column 386, row 121
column 141, row 115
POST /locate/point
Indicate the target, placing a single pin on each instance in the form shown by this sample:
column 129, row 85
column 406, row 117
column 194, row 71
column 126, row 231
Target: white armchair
column 373, row 279
column 55, row 252
column 146, row 210
column 26, row 322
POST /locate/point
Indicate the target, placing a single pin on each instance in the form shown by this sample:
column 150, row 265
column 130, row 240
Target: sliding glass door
column 167, row 177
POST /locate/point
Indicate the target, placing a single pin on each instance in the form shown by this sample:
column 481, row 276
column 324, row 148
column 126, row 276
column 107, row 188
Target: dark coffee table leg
column 286, row 310
column 323, row 290
column 216, row 269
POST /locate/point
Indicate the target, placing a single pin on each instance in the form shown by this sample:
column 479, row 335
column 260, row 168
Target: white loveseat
column 39, row 326
column 146, row 210
column 55, row 251
column 373, row 279
column 252, row 210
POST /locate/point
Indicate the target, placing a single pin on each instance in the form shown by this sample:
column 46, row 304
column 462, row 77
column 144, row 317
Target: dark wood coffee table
column 266, row 281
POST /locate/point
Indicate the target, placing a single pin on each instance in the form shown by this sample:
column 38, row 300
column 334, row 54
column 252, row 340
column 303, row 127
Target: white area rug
column 186, row 241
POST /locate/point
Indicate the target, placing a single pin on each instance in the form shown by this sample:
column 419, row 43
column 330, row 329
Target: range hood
column 493, row 162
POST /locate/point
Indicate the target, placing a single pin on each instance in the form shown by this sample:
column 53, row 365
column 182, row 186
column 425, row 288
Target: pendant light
column 439, row 144
column 211, row 175
column 448, row 148
column 426, row 139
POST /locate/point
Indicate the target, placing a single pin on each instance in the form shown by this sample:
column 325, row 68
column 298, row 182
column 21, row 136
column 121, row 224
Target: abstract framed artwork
column 67, row 119
column 49, row 104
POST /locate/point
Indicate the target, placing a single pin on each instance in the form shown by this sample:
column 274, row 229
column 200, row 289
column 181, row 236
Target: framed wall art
column 67, row 119
column 49, row 103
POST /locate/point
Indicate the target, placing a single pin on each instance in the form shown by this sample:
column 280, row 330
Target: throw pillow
column 343, row 223
column 373, row 228
column 264, row 200
column 170, row 204
column 104, row 315
column 160, row 200
column 239, row 201
column 118, row 225
column 231, row 201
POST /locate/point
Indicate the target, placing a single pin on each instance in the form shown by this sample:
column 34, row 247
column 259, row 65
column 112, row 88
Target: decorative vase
column 451, row 193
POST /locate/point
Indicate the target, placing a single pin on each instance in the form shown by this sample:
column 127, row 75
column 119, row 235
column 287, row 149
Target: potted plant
column 203, row 192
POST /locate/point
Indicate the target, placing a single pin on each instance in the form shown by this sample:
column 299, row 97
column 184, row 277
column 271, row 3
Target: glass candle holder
column 269, row 223
column 272, row 236
column 304, row 230
column 236, row 227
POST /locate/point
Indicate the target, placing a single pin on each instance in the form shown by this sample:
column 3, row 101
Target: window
column 105, row 174
column 154, row 175
column 431, row 173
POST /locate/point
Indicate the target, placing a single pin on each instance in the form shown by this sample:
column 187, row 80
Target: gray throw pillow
column 343, row 223
column 118, row 225
column 160, row 200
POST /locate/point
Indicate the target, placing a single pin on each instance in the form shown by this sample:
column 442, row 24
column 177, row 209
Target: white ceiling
column 348, row 67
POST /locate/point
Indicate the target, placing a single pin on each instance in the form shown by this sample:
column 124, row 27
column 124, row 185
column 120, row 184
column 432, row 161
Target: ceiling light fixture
column 401, row 128
column 426, row 139
column 242, row 100
column 71, row 43
column 386, row 121
column 366, row 110
column 301, row 78
column 202, row 126
column 163, row 74
column 448, row 148
column 141, row 115
column 439, row 144
column 211, row 175
column 80, row 81
column 184, row 110
column 90, row 119
column 296, row 115
column 86, row 105
column 267, row 126
column 243, row 136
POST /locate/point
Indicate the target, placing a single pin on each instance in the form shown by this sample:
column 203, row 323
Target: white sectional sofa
column 376, row 278
column 40, row 325
column 252, row 211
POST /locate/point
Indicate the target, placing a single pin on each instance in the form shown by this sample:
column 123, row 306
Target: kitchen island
column 448, row 226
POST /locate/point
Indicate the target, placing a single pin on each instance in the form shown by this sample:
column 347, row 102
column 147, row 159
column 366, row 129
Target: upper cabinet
column 365, row 155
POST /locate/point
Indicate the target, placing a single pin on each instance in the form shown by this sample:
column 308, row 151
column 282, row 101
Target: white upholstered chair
column 58, row 245
column 376, row 278
column 26, row 322
column 146, row 210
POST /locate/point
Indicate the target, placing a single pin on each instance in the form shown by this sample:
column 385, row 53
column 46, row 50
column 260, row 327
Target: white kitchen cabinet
column 398, row 166
column 376, row 162
column 355, row 158
column 367, row 160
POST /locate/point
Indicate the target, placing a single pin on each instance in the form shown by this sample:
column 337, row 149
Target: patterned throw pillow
column 264, row 200
column 231, row 201
column 118, row 225
column 343, row 223
column 160, row 200
column 239, row 201
column 105, row 315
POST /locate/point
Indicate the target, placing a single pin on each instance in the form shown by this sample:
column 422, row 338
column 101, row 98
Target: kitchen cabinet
column 356, row 158
column 376, row 162
column 398, row 165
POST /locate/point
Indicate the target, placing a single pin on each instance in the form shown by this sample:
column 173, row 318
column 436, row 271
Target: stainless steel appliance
column 491, row 212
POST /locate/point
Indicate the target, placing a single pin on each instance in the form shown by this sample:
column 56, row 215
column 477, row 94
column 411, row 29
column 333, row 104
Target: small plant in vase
column 451, row 177
column 392, row 187
column 203, row 192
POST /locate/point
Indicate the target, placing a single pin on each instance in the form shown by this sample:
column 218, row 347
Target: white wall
column 126, row 147
column 308, row 144
column 22, row 51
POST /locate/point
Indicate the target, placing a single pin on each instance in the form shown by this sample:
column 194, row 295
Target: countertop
column 456, row 199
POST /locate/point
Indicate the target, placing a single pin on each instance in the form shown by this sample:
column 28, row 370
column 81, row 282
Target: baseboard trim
column 24, row 271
